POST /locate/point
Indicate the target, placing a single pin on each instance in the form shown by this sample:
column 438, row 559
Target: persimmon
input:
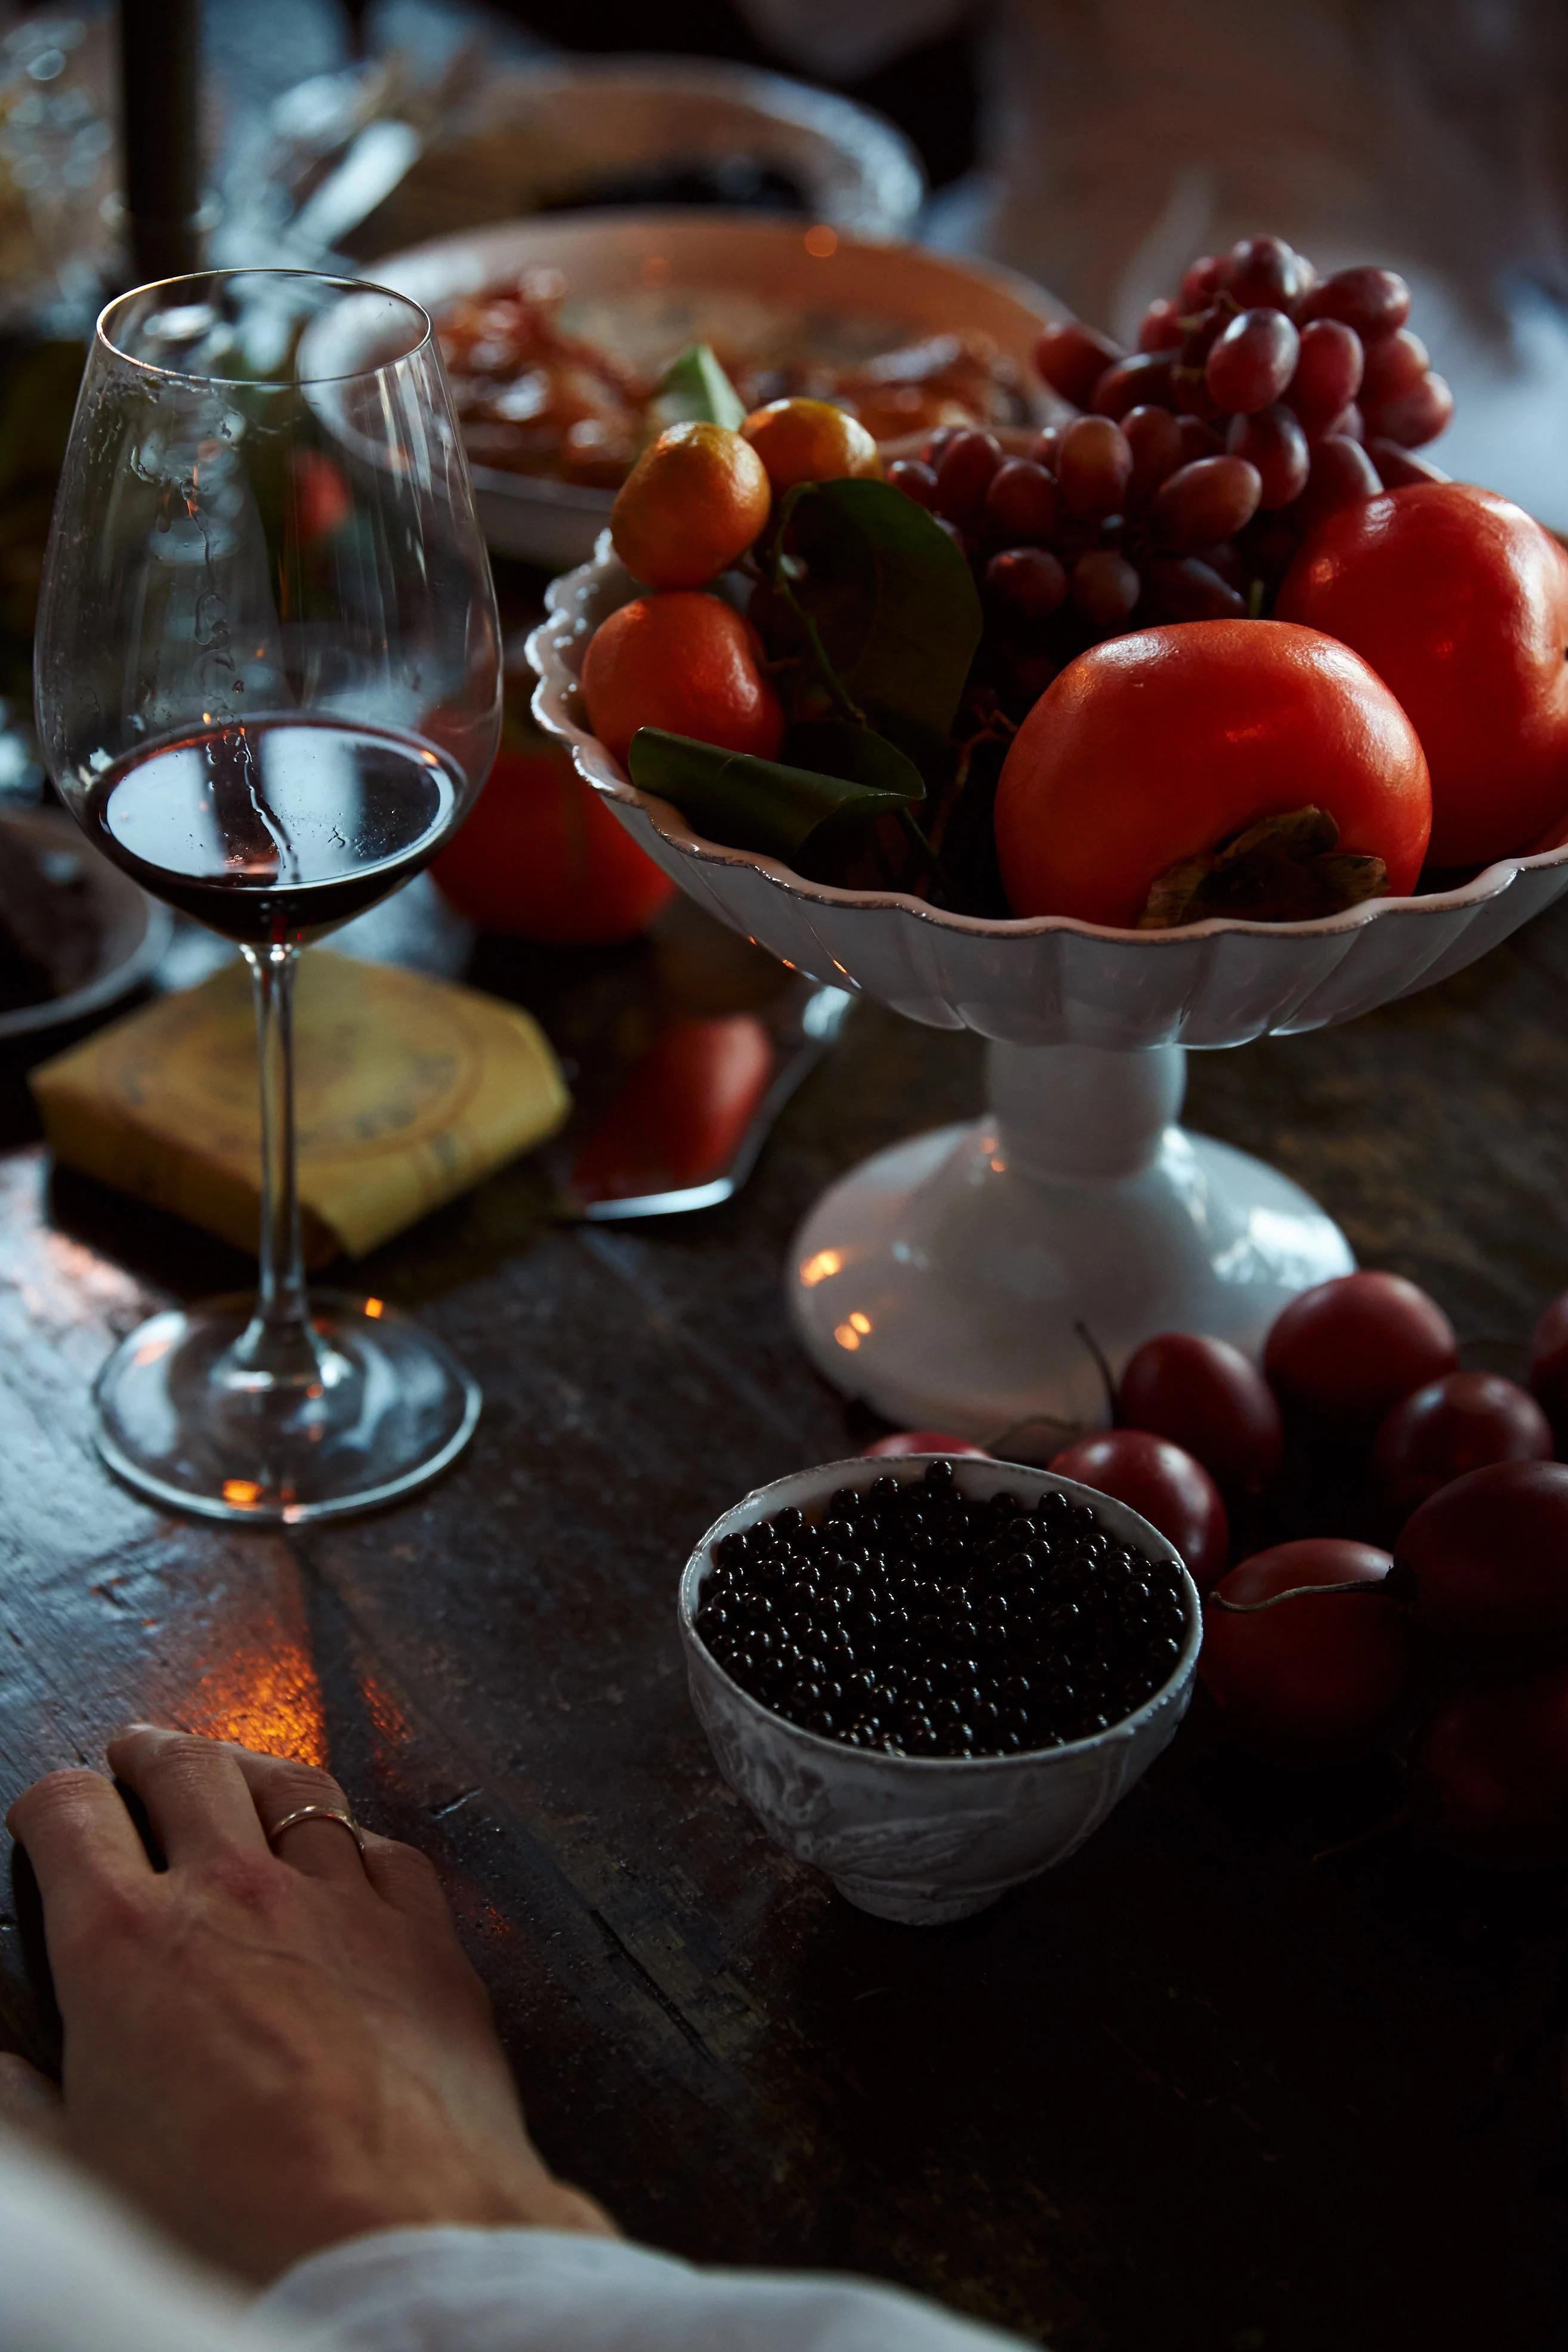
column 686, row 662
column 1459, row 602
column 1244, row 767
column 690, row 506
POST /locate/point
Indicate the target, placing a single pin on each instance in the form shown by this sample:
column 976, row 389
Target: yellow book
column 410, row 1090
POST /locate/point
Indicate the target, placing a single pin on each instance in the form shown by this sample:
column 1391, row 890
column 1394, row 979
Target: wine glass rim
column 104, row 334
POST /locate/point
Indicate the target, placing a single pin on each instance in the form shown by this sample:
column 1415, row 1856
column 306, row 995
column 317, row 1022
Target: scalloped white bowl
column 945, row 1280
column 1048, row 981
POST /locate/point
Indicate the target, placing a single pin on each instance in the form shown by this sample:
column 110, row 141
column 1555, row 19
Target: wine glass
column 268, row 683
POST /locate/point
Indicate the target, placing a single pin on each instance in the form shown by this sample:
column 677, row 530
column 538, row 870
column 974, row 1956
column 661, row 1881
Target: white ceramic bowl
column 915, row 1838
column 688, row 254
column 1047, row 981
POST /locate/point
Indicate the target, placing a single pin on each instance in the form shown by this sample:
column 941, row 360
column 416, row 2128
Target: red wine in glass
column 274, row 830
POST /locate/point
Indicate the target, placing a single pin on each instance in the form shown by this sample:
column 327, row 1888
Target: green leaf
column 893, row 600
column 766, row 804
column 695, row 390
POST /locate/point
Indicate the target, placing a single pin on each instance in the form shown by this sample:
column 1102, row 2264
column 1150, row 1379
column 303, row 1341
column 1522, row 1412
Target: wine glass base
column 385, row 1409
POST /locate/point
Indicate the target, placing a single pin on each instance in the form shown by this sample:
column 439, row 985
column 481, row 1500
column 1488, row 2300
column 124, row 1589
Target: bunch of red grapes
column 1434, row 1620
column 1257, row 402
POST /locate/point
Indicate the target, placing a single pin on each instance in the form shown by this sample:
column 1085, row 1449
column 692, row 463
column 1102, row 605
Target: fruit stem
column 1103, row 1362
column 1293, row 1593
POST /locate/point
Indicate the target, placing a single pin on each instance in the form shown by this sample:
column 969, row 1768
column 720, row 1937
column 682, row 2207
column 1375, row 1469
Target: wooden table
column 1211, row 2085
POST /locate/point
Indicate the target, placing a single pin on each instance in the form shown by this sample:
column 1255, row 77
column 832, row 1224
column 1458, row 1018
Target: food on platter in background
column 1459, row 602
column 1226, row 768
column 1347, row 1351
column 687, row 663
column 546, row 386
column 1207, row 1397
column 1491, row 1771
column 1486, row 1558
column 1452, row 1426
column 1304, row 1649
column 690, row 506
column 1032, row 1626
column 540, row 856
column 1163, row 1484
column 901, row 1442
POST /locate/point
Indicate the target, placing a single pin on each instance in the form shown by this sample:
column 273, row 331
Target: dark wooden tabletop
column 1212, row 2084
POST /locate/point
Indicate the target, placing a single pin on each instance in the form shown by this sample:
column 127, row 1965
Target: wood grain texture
column 1210, row 2086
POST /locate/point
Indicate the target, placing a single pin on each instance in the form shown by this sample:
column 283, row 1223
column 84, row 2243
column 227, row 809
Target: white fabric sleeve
column 847, row 38
column 80, row 2273
column 558, row 2290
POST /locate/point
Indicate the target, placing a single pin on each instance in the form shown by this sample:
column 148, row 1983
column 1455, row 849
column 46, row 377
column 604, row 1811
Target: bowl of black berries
column 931, row 1678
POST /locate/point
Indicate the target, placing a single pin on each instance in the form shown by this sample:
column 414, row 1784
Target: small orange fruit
column 811, row 441
column 685, row 662
column 694, row 502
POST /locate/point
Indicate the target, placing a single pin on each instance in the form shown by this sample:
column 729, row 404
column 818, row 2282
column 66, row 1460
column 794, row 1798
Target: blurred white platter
column 130, row 931
column 666, row 271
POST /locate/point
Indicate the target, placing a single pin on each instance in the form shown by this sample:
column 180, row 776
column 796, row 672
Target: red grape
column 1094, row 466
column 1415, row 416
column 1161, row 326
column 1347, row 1351
column 1400, row 466
column 1491, row 1771
column 1147, row 375
column 1171, row 1490
column 1105, row 588
column 1252, row 362
column 1395, row 363
column 1183, row 588
column 933, row 444
column 1046, row 448
column 916, row 479
column 1315, row 1675
column 1273, row 442
column 1348, row 425
column 963, row 476
column 1328, row 369
column 1198, row 440
column 1200, row 282
column 1374, row 302
column 1022, row 502
column 1265, row 270
column 1549, row 1364
column 1028, row 582
column 1206, row 500
column 1342, row 473
column 901, row 1442
column 1154, row 437
column 1451, row 1426
column 1208, row 1398
column 1072, row 358
column 1487, row 1560
column 1202, row 332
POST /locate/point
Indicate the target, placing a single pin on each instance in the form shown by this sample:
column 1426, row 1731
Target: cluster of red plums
column 1449, row 1635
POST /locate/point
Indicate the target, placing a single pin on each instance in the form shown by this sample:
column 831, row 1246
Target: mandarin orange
column 691, row 505
column 686, row 662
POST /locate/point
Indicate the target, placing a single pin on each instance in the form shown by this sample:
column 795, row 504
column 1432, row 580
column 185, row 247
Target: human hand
column 267, row 2051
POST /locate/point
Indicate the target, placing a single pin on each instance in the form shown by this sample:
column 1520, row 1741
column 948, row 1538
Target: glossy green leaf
column 695, row 390
column 769, row 805
column 893, row 599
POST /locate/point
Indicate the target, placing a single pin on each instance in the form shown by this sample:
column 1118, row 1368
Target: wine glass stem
column 279, row 1343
